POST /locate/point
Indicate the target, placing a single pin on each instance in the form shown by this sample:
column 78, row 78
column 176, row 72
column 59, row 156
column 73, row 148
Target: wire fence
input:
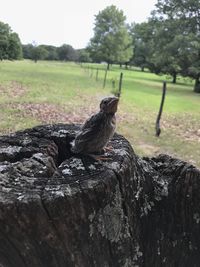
column 115, row 81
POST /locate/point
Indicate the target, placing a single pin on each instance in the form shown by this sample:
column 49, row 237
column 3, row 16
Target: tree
column 67, row 53
column 185, row 10
column 190, row 59
column 27, row 51
column 157, row 46
column 166, row 47
column 84, row 55
column 111, row 42
column 14, row 46
column 142, row 48
column 38, row 53
column 187, row 14
column 4, row 33
column 52, row 52
column 49, row 54
column 10, row 45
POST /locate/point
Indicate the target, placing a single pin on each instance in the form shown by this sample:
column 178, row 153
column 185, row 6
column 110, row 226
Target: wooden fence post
column 158, row 130
column 91, row 73
column 97, row 72
column 120, row 84
column 104, row 82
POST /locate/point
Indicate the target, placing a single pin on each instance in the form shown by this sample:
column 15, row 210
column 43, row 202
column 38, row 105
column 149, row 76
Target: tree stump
column 60, row 209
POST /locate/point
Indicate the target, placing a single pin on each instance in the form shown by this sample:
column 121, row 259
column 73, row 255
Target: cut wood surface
column 61, row 209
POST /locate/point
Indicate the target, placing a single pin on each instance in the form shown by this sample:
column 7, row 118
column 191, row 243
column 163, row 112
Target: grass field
column 51, row 92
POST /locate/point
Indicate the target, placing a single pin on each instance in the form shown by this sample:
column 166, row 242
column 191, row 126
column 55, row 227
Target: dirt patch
column 14, row 89
column 49, row 113
column 148, row 149
column 186, row 126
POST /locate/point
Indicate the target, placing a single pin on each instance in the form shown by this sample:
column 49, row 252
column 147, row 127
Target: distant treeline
column 48, row 52
column 12, row 49
column 168, row 43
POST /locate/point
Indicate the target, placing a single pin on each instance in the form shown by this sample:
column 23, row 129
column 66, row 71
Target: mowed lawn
column 52, row 92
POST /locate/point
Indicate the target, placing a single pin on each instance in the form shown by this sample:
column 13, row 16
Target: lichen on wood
column 61, row 209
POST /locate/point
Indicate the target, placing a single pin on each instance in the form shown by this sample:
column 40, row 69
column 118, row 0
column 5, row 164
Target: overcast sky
column 64, row 21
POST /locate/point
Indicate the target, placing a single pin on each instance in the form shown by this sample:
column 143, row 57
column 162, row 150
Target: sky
column 56, row 22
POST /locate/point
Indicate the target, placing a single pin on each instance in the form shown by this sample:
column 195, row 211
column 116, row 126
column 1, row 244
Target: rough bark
column 197, row 85
column 57, row 209
column 174, row 75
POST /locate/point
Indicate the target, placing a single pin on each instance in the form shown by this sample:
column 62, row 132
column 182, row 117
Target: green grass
column 71, row 93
